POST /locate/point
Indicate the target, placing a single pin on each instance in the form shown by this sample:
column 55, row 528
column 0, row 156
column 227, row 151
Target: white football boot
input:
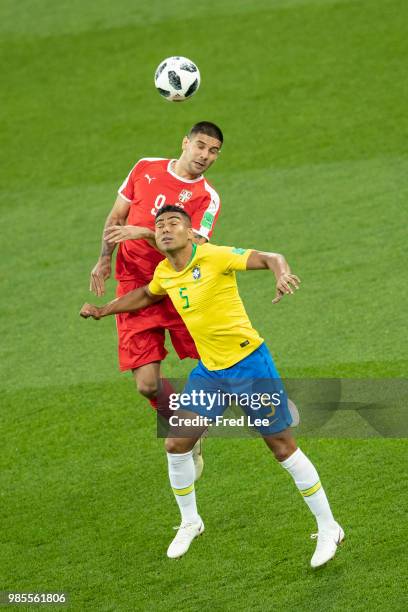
column 186, row 533
column 327, row 543
column 198, row 459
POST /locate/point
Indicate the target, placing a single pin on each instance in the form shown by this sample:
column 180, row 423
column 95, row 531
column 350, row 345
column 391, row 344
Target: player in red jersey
column 152, row 183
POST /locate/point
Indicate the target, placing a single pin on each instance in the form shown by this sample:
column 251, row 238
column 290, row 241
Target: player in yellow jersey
column 200, row 281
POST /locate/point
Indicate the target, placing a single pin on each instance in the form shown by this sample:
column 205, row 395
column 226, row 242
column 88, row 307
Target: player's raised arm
column 119, row 233
column 286, row 282
column 102, row 269
column 132, row 301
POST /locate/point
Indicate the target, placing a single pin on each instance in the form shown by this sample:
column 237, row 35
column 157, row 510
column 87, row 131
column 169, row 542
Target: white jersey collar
column 183, row 180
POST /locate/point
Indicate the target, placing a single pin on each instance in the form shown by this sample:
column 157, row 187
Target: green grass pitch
column 311, row 95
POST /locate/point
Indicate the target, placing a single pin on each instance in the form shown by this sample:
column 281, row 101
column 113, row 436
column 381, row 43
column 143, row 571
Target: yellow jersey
column 205, row 294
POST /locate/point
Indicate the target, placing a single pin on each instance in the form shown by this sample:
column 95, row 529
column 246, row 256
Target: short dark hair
column 208, row 128
column 171, row 208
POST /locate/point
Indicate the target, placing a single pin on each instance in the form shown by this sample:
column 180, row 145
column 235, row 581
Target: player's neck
column 181, row 258
column 179, row 169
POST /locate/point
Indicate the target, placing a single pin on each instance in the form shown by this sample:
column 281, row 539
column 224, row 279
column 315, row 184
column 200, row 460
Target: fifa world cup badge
column 196, row 273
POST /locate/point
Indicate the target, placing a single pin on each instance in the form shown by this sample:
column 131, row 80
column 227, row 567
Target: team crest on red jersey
column 185, row 195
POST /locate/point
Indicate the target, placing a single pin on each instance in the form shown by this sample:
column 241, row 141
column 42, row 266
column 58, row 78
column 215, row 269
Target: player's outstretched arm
column 134, row 300
column 119, row 233
column 286, row 282
column 102, row 269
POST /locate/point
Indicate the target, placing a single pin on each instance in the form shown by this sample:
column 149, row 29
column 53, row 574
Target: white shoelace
column 178, row 527
column 185, row 532
column 323, row 537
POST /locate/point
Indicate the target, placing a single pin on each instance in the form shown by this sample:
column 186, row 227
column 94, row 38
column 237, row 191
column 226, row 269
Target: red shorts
column 141, row 335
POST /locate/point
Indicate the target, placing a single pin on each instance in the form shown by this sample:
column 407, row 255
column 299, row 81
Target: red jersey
column 150, row 185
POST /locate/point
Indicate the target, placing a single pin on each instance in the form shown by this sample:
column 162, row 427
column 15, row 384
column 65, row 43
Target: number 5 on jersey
column 184, row 297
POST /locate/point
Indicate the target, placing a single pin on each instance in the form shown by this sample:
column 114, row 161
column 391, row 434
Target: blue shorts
column 253, row 383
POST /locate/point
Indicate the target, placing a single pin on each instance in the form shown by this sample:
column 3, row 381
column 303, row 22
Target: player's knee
column 284, row 450
column 175, row 445
column 148, row 388
column 280, row 454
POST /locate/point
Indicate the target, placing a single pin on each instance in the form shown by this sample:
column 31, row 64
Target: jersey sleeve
column 127, row 189
column 230, row 259
column 205, row 216
column 155, row 286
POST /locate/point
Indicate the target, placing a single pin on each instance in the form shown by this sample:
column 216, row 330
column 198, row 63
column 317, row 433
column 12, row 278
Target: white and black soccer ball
column 177, row 78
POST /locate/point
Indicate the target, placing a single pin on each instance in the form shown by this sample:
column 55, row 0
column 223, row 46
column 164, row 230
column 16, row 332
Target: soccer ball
column 177, row 78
